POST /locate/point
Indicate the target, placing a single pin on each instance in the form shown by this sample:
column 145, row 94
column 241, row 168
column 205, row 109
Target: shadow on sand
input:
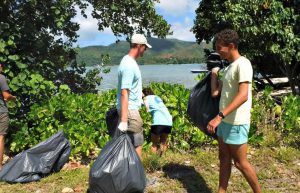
column 192, row 181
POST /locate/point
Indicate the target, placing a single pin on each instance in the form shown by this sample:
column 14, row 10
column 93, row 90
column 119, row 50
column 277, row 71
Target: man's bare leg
column 138, row 150
column 1, row 150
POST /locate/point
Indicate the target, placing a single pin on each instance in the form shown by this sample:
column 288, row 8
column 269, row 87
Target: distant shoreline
column 163, row 51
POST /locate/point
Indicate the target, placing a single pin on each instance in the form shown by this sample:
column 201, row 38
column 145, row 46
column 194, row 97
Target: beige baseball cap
column 140, row 39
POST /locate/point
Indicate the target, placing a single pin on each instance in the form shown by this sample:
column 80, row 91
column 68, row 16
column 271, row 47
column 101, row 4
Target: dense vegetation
column 269, row 32
column 82, row 117
column 163, row 51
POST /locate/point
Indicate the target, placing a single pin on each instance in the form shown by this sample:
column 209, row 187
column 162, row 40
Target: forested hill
column 163, row 51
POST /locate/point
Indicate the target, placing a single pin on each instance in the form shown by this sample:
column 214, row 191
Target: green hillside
column 164, row 51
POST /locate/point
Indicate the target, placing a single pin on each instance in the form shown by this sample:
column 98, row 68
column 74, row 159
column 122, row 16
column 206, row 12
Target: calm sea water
column 169, row 73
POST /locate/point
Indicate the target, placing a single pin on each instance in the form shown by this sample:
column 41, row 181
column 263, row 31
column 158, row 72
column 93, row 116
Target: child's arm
column 146, row 103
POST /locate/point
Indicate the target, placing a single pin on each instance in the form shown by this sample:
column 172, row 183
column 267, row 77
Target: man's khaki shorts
column 135, row 122
column 4, row 121
column 135, row 128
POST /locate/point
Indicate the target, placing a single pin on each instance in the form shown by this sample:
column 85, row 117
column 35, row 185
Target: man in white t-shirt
column 129, row 94
column 233, row 120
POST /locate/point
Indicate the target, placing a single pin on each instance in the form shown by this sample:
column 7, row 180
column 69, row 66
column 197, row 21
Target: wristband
column 221, row 115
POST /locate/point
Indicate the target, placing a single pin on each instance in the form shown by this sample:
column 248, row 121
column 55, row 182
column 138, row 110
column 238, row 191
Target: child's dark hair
column 147, row 91
column 228, row 36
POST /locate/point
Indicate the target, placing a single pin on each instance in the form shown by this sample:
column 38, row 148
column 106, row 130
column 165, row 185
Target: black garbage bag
column 202, row 107
column 39, row 161
column 117, row 169
column 215, row 60
column 112, row 119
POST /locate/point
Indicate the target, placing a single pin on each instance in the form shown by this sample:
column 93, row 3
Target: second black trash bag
column 112, row 118
column 202, row 107
column 39, row 161
column 117, row 169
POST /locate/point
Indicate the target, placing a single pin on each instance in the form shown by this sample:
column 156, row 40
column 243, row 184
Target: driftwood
column 278, row 83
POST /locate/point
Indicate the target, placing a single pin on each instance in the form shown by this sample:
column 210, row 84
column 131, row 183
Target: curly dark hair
column 228, row 36
column 147, row 91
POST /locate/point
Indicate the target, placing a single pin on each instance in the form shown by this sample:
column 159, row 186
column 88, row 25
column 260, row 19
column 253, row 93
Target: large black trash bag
column 117, row 169
column 202, row 107
column 39, row 161
column 112, row 119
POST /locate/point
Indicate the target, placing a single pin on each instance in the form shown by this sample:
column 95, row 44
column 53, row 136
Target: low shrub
column 82, row 117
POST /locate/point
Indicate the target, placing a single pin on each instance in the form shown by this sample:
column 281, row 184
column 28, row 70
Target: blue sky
column 179, row 13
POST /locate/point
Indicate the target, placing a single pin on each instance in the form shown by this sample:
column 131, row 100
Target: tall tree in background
column 36, row 42
column 269, row 32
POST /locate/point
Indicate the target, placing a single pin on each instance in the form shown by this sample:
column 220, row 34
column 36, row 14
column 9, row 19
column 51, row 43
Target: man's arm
column 123, row 125
column 216, row 85
column 7, row 96
column 239, row 99
column 5, row 89
column 124, row 105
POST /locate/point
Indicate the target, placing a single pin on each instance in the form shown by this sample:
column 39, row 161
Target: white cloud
column 182, row 31
column 180, row 14
column 177, row 7
column 88, row 26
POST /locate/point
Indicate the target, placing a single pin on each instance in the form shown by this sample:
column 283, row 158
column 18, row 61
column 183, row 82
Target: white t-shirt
column 237, row 72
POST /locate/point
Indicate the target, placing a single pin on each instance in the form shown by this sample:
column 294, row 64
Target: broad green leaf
column 14, row 57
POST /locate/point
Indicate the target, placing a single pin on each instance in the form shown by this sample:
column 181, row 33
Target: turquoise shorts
column 233, row 134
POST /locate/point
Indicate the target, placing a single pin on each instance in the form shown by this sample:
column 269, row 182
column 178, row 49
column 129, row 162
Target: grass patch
column 287, row 154
column 271, row 137
column 151, row 162
column 75, row 179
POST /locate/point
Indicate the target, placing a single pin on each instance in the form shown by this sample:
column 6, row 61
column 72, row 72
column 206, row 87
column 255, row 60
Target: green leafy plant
column 289, row 119
column 259, row 121
column 274, row 122
column 82, row 117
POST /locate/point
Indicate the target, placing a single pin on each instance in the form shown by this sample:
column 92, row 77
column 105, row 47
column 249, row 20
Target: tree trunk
column 296, row 76
column 289, row 74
